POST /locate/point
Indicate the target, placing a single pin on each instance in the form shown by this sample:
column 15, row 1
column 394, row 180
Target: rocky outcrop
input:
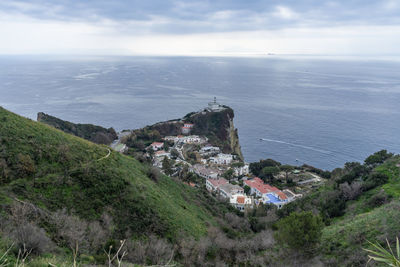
column 217, row 126
column 234, row 140
column 94, row 133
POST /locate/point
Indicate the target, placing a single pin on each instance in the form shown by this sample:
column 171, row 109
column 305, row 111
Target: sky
column 200, row 28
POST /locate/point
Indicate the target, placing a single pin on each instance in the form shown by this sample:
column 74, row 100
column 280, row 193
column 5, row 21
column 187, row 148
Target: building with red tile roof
column 259, row 188
column 269, row 194
column 240, row 201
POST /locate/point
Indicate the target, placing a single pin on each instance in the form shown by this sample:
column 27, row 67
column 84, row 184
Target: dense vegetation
column 94, row 133
column 360, row 203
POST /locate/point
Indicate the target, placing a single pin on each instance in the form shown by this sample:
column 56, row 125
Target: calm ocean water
column 323, row 112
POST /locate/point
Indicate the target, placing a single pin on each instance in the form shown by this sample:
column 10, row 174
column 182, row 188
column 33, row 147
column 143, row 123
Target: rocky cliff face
column 234, row 140
column 218, row 126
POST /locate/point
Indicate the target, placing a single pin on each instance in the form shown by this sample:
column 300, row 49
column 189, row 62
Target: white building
column 223, row 159
column 208, row 149
column 162, row 154
column 193, row 139
column 187, row 128
column 213, row 184
column 240, row 201
column 157, row 145
column 241, row 171
column 203, row 171
column 227, row 190
column 171, row 138
column 214, row 106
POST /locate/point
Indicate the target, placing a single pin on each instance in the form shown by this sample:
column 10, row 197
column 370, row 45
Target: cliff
column 217, row 126
column 94, row 133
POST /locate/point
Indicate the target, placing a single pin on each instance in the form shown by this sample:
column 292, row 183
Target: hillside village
column 223, row 174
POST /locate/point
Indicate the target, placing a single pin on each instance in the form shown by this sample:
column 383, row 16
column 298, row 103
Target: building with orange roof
column 240, row 201
column 269, row 194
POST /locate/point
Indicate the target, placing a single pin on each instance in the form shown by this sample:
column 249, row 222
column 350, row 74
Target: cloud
column 194, row 27
column 284, row 12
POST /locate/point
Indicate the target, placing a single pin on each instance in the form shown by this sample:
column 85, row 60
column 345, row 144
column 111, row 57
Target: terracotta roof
column 190, row 184
column 281, row 195
column 240, row 199
column 217, row 182
column 157, row 144
column 260, row 186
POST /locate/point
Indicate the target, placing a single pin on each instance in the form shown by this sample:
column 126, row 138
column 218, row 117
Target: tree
column 378, row 157
column 228, row 174
column 167, row 166
column 269, row 172
column 247, row 189
column 237, row 164
column 174, row 153
column 300, row 231
column 286, row 168
column 256, row 167
column 332, row 204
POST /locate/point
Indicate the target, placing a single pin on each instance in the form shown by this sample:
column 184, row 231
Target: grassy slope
column 67, row 173
column 347, row 235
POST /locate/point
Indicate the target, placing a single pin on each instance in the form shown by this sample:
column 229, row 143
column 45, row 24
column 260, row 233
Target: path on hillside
column 106, row 156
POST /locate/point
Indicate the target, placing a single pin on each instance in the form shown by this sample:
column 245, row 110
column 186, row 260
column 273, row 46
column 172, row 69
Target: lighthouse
column 214, row 105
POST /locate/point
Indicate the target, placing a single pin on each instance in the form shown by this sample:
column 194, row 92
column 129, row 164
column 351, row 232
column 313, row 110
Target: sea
column 322, row 111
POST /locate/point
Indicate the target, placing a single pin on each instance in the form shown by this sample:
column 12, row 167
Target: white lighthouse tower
column 214, row 105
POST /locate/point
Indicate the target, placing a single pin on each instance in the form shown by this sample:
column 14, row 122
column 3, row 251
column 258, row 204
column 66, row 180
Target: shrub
column 153, row 251
column 26, row 166
column 153, row 173
column 375, row 179
column 32, row 237
column 332, row 204
column 301, row 231
column 351, row 191
column 378, row 199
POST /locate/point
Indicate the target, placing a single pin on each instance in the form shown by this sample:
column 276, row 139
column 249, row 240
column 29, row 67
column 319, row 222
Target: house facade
column 222, row 159
column 213, row 185
column 240, row 201
column 228, row 190
column 157, row 145
column 207, row 173
column 241, row 171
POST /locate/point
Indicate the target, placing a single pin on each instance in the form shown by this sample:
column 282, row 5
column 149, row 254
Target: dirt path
column 106, row 156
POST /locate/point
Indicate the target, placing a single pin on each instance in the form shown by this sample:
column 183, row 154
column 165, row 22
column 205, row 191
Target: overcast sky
column 192, row 27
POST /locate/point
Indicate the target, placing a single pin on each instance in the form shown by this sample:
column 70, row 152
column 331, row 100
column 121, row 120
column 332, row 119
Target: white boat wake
column 297, row 145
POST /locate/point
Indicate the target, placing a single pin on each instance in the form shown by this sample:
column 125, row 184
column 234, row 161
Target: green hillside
column 52, row 170
column 360, row 204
